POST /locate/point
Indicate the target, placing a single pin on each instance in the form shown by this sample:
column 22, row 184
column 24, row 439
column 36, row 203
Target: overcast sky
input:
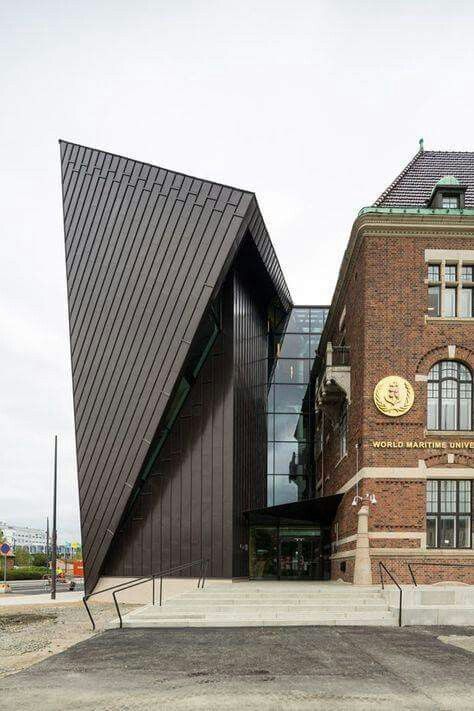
column 315, row 106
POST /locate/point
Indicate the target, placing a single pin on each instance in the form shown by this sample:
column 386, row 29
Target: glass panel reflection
column 295, row 346
column 289, row 457
column 290, row 427
column 263, row 552
column 298, row 321
column 289, row 488
column 291, row 371
column 289, row 398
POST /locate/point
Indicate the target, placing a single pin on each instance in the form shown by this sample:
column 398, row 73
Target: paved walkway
column 12, row 600
column 250, row 668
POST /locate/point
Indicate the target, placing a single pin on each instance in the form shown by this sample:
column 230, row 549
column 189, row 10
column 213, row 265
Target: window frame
column 439, row 396
column 457, row 514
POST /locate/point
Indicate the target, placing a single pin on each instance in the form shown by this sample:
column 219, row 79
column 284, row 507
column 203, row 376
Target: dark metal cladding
column 147, row 249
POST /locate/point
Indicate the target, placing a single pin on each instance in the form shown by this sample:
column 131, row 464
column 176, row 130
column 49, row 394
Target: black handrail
column 400, row 602
column 446, row 565
column 203, row 562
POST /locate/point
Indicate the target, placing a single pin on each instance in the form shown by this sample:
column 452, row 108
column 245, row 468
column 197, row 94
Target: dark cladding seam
column 146, row 360
column 151, row 416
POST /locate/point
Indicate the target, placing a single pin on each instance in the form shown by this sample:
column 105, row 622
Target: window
column 450, row 201
column 433, row 272
column 448, row 513
column 434, row 301
column 343, row 431
column 450, row 397
column 465, row 307
column 449, row 306
column 450, row 290
column 450, row 272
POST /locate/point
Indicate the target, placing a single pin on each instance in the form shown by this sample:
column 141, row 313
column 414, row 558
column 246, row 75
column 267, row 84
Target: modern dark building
column 184, row 340
column 217, row 420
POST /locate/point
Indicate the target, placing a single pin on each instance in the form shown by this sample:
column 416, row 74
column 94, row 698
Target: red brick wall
column 386, row 300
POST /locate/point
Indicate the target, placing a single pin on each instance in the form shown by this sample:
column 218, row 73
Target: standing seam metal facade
column 147, row 249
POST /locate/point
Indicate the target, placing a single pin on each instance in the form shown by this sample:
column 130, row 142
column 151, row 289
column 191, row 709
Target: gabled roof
column 414, row 185
column 146, row 251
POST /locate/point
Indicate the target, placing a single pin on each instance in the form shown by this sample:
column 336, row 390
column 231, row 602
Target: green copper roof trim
column 417, row 211
column 448, row 180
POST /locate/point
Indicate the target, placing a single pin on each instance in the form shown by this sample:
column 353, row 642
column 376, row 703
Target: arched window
column 449, row 396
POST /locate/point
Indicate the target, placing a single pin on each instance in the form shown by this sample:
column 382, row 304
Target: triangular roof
column 414, row 185
column 146, row 251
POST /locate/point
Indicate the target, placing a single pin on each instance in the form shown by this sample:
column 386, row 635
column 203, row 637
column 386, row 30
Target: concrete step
column 250, row 607
column 276, row 599
column 261, row 622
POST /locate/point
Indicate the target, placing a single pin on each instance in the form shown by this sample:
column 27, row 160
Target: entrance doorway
column 284, row 552
column 299, row 558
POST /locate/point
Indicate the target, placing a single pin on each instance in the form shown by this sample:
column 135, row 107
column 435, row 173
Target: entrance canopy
column 320, row 510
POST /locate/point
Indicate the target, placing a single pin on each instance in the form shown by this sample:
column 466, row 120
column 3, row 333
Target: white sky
column 314, row 105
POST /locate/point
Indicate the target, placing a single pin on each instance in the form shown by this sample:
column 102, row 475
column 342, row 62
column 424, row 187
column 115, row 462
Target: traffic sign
column 5, row 548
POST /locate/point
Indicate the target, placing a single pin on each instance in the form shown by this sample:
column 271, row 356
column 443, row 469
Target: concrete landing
column 255, row 604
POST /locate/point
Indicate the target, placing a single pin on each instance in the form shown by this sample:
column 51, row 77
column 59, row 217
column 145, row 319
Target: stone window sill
column 449, row 433
column 449, row 319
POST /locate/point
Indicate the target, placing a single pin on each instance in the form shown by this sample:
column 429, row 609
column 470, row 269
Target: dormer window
column 450, row 201
column 447, row 194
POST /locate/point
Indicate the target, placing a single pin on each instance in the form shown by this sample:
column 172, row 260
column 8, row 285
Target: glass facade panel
column 263, row 552
column 289, row 398
column 289, row 457
column 287, row 490
column 294, row 345
column 288, row 370
column 299, row 321
column 290, row 428
column 467, row 272
column 290, row 439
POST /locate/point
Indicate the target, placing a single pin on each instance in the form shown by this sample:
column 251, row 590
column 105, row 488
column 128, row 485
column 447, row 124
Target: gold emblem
column 393, row 396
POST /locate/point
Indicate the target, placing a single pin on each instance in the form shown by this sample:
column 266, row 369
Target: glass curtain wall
column 290, row 470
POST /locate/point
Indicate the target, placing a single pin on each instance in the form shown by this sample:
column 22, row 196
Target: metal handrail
column 446, row 565
column 203, row 562
column 400, row 602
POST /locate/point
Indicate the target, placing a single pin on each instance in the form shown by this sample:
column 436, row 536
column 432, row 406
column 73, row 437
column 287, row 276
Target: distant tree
column 22, row 555
column 39, row 559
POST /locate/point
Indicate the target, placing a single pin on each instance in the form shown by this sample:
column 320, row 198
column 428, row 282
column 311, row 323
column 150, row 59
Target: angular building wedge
column 170, row 281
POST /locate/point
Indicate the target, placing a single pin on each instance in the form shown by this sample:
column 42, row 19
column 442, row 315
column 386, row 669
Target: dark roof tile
column 414, row 185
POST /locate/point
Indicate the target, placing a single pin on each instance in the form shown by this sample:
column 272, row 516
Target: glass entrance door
column 299, row 558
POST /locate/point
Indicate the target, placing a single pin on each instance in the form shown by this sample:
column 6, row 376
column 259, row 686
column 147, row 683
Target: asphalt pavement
column 253, row 668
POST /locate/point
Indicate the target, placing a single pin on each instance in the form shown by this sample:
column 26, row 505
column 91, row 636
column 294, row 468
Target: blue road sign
column 5, row 548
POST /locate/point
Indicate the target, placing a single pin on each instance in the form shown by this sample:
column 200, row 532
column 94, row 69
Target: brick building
column 400, row 451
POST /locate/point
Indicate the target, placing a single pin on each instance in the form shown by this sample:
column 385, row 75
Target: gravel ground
column 29, row 634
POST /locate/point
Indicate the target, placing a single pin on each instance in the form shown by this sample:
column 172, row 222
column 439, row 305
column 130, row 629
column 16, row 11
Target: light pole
column 54, row 536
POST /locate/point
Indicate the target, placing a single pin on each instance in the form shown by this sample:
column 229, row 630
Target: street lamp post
column 54, row 532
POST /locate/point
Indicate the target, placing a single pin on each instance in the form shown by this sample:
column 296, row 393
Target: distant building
column 34, row 539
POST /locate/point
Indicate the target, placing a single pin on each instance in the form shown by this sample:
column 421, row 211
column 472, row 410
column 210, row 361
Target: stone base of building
column 426, row 569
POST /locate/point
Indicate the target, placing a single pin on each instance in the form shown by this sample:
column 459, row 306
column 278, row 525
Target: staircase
column 254, row 604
